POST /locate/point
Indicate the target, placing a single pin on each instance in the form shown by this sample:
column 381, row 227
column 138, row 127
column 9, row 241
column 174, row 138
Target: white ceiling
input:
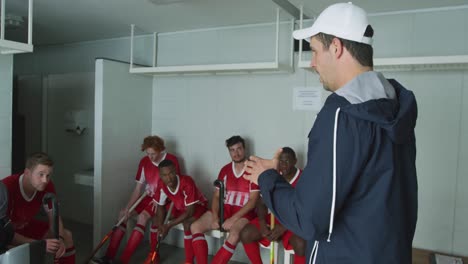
column 67, row 21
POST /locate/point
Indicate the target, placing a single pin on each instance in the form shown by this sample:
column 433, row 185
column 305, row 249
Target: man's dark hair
column 290, row 151
column 38, row 158
column 363, row 53
column 166, row 163
column 234, row 140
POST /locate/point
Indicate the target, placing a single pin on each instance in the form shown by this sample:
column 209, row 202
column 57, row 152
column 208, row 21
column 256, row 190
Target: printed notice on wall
column 307, row 98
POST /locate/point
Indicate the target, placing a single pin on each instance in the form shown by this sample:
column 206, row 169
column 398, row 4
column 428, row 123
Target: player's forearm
column 179, row 219
column 262, row 210
column 246, row 208
column 215, row 204
column 61, row 228
column 20, row 239
column 160, row 214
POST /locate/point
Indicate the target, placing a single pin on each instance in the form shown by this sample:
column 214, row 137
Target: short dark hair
column 38, row 158
column 290, row 151
column 363, row 53
column 166, row 163
column 234, row 140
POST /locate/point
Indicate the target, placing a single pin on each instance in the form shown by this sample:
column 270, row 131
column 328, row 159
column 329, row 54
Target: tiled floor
column 82, row 235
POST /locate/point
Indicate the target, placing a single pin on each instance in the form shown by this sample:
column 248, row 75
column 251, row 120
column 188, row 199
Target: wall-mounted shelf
column 459, row 62
column 214, row 68
column 269, row 66
column 9, row 46
column 12, row 47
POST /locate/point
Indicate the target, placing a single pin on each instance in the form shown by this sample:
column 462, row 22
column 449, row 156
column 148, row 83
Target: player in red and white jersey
column 25, row 193
column 259, row 231
column 189, row 203
column 147, row 179
column 240, row 199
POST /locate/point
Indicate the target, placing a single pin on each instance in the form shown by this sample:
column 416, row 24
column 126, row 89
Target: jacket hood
column 396, row 116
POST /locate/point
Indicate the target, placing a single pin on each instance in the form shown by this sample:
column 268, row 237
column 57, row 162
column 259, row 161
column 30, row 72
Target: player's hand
column 256, row 165
column 149, row 190
column 61, row 249
column 163, row 231
column 228, row 223
column 277, row 232
column 52, row 245
column 264, row 229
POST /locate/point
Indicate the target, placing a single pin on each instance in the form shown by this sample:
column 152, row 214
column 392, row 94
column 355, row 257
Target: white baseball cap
column 343, row 20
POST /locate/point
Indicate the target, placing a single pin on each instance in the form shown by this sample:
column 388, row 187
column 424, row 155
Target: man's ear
column 336, row 47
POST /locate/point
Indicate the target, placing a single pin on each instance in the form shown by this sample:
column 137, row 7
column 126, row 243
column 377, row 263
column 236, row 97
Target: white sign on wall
column 307, row 98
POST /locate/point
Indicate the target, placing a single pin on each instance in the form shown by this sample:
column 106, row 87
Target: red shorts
column 35, row 229
column 146, row 205
column 200, row 209
column 265, row 242
column 230, row 210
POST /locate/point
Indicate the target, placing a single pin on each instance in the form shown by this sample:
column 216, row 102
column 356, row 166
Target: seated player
column 189, row 203
column 147, row 179
column 25, row 193
column 259, row 231
column 239, row 202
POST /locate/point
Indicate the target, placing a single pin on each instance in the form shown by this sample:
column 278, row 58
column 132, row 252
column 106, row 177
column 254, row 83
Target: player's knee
column 195, row 227
column 143, row 218
column 246, row 235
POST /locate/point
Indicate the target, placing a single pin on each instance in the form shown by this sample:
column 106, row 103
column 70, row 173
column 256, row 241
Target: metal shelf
column 271, row 66
column 12, row 47
column 458, row 62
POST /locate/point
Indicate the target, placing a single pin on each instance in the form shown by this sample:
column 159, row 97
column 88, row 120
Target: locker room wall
column 6, row 91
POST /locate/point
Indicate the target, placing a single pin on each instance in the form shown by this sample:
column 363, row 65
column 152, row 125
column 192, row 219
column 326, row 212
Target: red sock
column 132, row 243
column 224, row 253
column 153, row 237
column 253, row 252
column 200, row 248
column 68, row 257
column 299, row 259
column 188, row 246
column 115, row 239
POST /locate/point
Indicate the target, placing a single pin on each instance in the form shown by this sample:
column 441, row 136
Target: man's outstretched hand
column 256, row 166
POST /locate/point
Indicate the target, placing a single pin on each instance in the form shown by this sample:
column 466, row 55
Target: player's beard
column 239, row 161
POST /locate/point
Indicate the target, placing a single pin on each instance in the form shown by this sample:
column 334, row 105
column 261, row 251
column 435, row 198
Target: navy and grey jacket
column 356, row 201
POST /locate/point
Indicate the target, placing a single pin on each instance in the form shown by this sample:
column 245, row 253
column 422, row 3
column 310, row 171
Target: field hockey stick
column 50, row 197
column 158, row 242
column 109, row 234
column 272, row 243
column 220, row 184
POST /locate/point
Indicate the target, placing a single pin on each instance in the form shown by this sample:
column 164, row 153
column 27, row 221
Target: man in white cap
column 356, row 201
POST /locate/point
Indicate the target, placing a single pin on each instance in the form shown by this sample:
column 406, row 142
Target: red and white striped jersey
column 237, row 189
